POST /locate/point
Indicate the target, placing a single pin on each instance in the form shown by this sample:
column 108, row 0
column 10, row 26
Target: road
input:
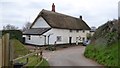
column 72, row 56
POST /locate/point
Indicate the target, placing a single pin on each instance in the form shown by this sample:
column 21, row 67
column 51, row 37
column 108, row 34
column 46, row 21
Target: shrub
column 51, row 48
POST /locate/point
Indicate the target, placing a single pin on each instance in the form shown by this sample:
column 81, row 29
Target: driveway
column 72, row 56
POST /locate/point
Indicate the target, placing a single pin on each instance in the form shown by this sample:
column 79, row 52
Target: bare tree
column 10, row 27
column 27, row 26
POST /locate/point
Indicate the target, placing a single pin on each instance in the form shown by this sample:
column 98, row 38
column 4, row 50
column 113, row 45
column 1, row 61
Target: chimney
column 80, row 17
column 53, row 7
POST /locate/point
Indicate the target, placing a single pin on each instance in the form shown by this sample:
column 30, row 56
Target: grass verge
column 106, row 55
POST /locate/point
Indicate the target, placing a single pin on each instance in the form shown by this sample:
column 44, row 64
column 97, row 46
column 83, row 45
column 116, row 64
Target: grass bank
column 106, row 55
column 20, row 50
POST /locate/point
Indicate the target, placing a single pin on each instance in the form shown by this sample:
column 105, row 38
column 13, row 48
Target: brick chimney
column 80, row 17
column 53, row 7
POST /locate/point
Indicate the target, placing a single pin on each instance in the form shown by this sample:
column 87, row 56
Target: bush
column 51, row 48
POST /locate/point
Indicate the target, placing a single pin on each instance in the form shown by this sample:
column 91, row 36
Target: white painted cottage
column 51, row 27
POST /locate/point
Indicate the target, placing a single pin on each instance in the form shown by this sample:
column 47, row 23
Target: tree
column 10, row 27
column 27, row 26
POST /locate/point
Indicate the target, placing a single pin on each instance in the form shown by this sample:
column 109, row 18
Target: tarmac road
column 72, row 56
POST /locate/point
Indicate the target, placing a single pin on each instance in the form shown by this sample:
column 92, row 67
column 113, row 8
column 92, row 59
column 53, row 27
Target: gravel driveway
column 72, row 56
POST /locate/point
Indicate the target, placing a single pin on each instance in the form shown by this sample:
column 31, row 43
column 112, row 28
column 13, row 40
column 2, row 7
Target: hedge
column 14, row 34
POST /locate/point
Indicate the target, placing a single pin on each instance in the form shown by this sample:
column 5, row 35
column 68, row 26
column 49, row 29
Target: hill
column 105, row 43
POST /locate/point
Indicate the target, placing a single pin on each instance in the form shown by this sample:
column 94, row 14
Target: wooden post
column 0, row 52
column 5, row 50
column 41, row 51
column 11, row 54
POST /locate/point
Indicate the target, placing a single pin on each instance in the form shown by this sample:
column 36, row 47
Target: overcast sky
column 94, row 12
column 119, row 9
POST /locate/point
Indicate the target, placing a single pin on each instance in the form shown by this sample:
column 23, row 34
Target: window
column 29, row 37
column 83, row 38
column 70, row 30
column 59, row 38
column 77, row 38
column 77, row 31
column 83, row 31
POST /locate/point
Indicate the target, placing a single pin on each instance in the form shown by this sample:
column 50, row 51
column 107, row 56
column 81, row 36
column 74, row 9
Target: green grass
column 106, row 55
column 44, row 63
column 33, row 61
column 20, row 50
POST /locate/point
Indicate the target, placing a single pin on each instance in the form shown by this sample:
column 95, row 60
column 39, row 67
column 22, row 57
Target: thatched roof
column 61, row 21
column 36, row 31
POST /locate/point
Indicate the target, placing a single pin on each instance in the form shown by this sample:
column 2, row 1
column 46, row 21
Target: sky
column 119, row 9
column 94, row 12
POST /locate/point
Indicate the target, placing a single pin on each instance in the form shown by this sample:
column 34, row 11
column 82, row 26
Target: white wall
column 64, row 33
column 92, row 33
column 40, row 23
column 35, row 39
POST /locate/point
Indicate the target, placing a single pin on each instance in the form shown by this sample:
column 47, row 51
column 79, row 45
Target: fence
column 6, row 53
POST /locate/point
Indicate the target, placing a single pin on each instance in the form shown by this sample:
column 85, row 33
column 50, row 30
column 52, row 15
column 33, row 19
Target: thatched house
column 51, row 27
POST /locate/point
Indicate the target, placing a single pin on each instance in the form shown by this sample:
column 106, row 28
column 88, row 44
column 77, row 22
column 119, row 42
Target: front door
column 70, row 40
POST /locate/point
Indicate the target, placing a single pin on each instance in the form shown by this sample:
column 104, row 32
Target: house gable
column 40, row 23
